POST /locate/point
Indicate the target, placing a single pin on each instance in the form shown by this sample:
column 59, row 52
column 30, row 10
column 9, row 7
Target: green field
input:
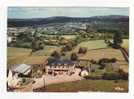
column 69, row 36
column 46, row 51
column 22, row 55
column 94, row 44
column 90, row 45
column 125, row 43
column 89, row 85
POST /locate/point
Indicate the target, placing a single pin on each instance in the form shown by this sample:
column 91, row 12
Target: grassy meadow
column 96, row 49
column 89, row 85
column 22, row 55
column 93, row 44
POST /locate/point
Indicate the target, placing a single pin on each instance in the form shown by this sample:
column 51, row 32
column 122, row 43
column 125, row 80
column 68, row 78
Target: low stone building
column 22, row 69
column 58, row 67
column 15, row 75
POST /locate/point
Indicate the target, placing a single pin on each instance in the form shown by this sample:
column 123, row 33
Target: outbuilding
column 22, row 69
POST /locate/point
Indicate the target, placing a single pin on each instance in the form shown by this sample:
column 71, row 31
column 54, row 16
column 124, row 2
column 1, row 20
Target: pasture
column 46, row 51
column 93, row 44
column 103, row 53
column 89, row 85
column 69, row 36
column 97, row 49
column 22, row 55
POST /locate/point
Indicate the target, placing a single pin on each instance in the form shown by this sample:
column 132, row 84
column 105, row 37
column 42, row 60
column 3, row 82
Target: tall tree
column 117, row 39
column 56, row 54
column 37, row 43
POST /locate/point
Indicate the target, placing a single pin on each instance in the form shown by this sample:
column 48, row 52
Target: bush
column 63, row 54
column 103, row 61
column 116, row 75
column 107, row 60
column 82, row 50
column 74, row 57
column 117, row 39
column 93, row 61
column 22, row 45
column 111, row 76
column 23, row 81
column 67, row 47
column 55, row 54
column 123, row 75
column 113, row 60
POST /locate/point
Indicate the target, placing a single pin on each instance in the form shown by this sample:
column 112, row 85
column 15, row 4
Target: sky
column 43, row 12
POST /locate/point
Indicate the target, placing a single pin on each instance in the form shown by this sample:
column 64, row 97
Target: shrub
column 74, row 57
column 67, row 47
column 116, row 75
column 107, row 60
column 111, row 76
column 123, row 75
column 82, row 50
column 23, row 80
column 63, row 54
column 113, row 60
column 103, row 61
column 55, row 54
column 23, row 45
column 93, row 61
column 117, row 39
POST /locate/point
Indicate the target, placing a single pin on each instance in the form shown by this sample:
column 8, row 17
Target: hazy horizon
column 45, row 12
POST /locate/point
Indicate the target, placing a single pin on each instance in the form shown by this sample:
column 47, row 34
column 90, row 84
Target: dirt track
column 125, row 54
column 49, row 79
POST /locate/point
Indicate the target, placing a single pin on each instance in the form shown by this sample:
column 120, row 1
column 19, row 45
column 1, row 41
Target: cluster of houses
column 52, row 67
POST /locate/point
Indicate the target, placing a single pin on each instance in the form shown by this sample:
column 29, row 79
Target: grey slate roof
column 22, row 68
column 62, row 62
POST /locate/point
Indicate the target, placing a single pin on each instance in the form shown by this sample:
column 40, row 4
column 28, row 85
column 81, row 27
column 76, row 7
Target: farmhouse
column 56, row 67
